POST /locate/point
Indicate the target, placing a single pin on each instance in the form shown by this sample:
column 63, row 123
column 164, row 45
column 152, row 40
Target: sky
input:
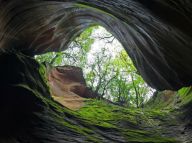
column 113, row 48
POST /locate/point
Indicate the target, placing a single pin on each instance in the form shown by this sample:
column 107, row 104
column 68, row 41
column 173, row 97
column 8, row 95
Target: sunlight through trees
column 107, row 69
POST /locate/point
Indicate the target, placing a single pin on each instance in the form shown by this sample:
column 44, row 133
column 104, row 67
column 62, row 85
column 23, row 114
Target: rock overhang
column 155, row 34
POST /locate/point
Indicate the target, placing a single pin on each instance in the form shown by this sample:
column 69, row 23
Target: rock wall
column 22, row 90
column 156, row 34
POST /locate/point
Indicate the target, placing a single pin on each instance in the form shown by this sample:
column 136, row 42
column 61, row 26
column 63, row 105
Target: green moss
column 96, row 122
column 42, row 71
column 134, row 125
column 185, row 95
column 130, row 123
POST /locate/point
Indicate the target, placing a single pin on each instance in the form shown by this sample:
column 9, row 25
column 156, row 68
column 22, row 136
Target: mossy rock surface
column 30, row 115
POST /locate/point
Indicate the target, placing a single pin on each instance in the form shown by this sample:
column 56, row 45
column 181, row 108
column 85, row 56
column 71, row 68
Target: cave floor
column 101, row 122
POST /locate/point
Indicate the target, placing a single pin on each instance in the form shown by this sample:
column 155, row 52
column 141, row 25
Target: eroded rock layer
column 157, row 34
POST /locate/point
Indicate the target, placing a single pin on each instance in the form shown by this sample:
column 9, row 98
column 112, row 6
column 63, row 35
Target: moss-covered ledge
column 29, row 114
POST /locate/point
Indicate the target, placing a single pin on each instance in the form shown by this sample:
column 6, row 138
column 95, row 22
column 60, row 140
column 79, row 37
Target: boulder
column 68, row 86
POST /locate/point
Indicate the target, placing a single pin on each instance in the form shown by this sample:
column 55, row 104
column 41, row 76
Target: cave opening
column 156, row 35
column 104, row 68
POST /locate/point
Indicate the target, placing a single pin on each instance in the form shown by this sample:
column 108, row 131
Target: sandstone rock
column 68, row 86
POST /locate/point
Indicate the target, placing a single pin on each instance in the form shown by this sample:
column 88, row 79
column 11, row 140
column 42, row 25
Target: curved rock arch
column 155, row 33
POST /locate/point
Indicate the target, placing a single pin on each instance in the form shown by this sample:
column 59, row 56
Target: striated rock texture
column 157, row 34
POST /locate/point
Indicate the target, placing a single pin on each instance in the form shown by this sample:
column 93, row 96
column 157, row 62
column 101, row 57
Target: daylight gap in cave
column 95, row 65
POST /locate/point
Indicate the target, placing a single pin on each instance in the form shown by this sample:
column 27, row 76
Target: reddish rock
column 65, row 79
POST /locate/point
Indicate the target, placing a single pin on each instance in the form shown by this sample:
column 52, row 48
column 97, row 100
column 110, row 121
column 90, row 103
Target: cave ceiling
column 156, row 34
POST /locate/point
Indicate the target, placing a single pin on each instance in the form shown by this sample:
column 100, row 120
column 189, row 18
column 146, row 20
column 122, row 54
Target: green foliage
column 129, row 82
column 185, row 95
column 85, row 39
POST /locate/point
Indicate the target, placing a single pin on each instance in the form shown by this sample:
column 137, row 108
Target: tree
column 101, row 73
column 138, row 86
